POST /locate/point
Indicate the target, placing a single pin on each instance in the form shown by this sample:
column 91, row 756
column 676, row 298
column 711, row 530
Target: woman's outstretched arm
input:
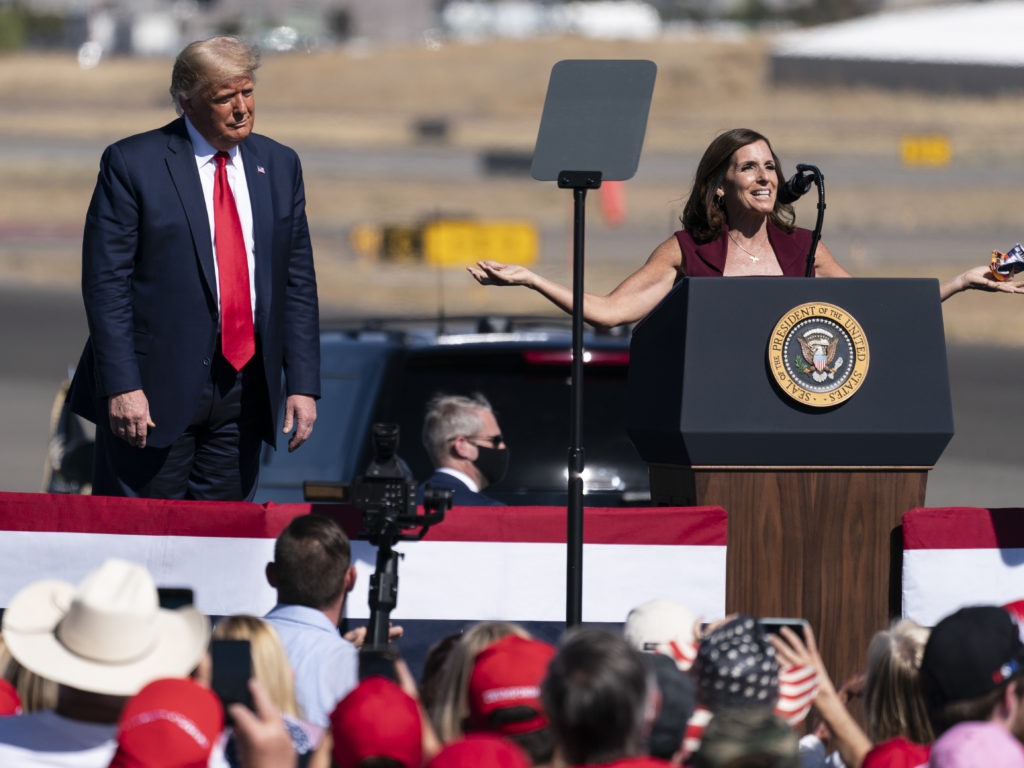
column 977, row 278
column 630, row 301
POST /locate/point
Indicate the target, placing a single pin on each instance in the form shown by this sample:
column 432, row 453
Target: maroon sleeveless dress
column 708, row 259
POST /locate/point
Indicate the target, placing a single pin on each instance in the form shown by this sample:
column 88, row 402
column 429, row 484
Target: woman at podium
column 734, row 225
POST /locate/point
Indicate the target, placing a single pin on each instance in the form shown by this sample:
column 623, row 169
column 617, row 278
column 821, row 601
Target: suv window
column 530, row 390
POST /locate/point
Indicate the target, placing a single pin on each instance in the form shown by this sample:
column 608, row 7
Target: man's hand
column 300, row 414
column 129, row 417
column 357, row 636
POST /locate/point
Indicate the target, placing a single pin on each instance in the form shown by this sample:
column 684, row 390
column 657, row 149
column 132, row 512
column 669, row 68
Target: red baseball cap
column 508, row 674
column 480, row 750
column 10, row 701
column 377, row 719
column 170, row 723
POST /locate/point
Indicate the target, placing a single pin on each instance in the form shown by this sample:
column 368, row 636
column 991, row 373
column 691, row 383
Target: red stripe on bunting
column 963, row 528
column 146, row 517
column 692, row 526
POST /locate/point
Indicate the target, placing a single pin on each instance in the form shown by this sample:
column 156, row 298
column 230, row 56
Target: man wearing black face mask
column 464, row 442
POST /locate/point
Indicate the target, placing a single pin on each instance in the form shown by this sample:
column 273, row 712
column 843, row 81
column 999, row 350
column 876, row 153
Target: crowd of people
column 99, row 674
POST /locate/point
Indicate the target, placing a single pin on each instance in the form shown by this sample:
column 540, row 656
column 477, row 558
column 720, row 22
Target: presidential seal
column 818, row 354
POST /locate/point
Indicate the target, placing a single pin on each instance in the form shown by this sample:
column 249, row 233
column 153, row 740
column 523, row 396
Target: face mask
column 492, row 463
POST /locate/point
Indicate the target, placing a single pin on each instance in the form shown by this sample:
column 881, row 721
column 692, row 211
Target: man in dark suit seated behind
column 464, row 442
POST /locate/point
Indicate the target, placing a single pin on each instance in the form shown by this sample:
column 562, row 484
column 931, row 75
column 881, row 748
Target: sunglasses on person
column 495, row 440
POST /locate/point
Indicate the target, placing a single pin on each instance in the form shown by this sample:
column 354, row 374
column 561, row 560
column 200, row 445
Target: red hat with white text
column 504, row 686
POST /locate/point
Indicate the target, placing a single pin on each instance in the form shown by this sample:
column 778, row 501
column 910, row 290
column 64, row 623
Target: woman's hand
column 794, row 651
column 851, row 741
column 977, row 278
column 496, row 273
column 980, row 278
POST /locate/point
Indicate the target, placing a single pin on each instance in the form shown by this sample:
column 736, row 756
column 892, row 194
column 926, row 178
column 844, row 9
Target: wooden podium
column 814, row 474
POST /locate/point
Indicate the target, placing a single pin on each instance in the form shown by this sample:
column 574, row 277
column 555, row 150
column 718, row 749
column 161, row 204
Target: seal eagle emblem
column 818, row 347
column 818, row 354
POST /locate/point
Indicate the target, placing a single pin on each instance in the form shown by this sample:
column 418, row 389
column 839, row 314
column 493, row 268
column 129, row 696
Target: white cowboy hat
column 107, row 635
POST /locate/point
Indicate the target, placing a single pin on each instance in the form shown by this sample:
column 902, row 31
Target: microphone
column 799, row 184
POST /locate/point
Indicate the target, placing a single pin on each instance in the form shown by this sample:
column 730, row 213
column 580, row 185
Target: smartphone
column 232, row 668
column 173, row 598
column 772, row 626
column 378, row 661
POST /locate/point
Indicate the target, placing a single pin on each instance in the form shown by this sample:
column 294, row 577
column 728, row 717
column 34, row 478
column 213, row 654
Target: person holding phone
column 268, row 660
column 262, row 741
column 247, row 647
column 802, row 650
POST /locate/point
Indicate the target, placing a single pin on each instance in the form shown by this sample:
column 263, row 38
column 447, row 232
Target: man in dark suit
column 199, row 287
column 464, row 442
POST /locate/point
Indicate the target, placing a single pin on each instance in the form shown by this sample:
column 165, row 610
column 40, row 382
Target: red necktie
column 237, row 338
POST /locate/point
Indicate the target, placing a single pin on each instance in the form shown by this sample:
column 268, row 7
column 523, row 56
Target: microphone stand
column 819, row 182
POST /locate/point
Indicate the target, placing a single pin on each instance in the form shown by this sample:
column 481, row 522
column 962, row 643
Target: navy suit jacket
column 463, row 497
column 149, row 284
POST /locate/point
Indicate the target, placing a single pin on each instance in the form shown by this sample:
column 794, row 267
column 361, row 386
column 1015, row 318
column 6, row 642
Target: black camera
column 386, row 495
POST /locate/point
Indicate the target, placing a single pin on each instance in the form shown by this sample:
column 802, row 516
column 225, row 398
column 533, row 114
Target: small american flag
column 259, row 169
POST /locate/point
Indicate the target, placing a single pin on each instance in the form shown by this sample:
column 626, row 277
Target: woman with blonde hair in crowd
column 897, row 720
column 271, row 668
column 451, row 707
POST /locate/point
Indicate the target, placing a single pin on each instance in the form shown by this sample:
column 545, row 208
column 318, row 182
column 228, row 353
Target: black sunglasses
column 495, row 441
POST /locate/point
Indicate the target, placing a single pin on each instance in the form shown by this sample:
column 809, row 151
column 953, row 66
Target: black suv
column 386, row 370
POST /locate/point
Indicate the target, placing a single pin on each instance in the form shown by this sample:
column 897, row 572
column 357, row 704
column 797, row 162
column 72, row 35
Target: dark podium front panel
column 814, row 493
column 702, row 392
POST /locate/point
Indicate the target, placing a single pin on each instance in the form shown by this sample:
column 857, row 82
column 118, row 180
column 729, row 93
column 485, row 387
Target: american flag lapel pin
column 259, row 169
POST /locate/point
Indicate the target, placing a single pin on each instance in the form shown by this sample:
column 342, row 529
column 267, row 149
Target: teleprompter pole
column 595, row 115
column 579, row 182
